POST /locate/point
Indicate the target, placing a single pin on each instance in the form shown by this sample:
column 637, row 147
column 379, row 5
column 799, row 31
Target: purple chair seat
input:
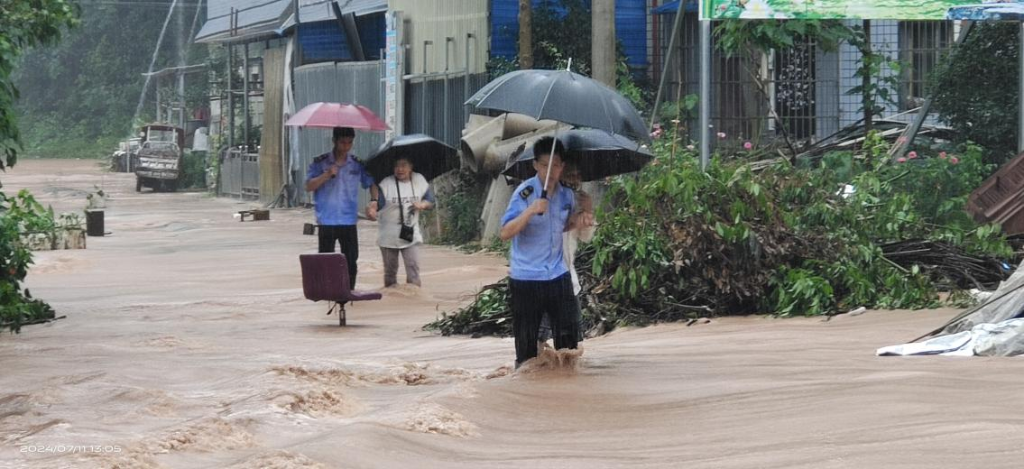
column 325, row 278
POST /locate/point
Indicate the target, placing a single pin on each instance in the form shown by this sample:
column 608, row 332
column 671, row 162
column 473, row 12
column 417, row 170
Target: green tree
column 23, row 24
column 79, row 97
column 975, row 86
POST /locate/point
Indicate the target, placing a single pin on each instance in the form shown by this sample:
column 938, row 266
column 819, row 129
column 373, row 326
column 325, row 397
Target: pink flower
column 912, row 155
column 721, row 135
column 748, row 145
column 942, row 155
column 901, row 160
column 954, row 160
column 656, row 133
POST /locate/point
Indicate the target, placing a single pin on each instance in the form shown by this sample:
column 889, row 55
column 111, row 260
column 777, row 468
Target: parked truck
column 158, row 162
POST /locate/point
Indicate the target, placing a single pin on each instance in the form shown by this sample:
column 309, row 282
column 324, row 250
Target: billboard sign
column 991, row 10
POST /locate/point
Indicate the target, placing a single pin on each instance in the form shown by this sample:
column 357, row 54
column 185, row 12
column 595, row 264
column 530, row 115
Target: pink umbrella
column 328, row 115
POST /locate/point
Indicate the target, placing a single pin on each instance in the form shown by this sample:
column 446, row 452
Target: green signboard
column 992, row 10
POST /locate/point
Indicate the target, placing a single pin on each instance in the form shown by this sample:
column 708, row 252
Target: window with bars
column 922, row 45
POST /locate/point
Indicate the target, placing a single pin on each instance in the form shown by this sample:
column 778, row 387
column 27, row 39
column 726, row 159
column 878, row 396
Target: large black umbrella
column 429, row 157
column 563, row 96
column 596, row 153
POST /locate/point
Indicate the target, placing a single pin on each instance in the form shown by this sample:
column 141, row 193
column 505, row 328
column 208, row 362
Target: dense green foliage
column 79, row 97
column 23, row 24
column 976, row 88
column 785, row 240
column 18, row 216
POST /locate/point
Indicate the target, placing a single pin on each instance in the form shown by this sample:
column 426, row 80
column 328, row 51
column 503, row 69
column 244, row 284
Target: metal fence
column 800, row 86
column 434, row 104
column 240, row 174
column 345, row 82
column 806, row 87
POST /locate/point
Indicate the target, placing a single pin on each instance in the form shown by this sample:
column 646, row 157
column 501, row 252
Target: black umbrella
column 563, row 96
column 596, row 153
column 429, row 157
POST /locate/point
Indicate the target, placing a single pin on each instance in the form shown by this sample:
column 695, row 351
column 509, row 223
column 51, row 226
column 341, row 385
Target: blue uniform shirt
column 537, row 250
column 337, row 200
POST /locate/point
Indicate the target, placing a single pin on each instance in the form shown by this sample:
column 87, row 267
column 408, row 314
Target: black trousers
column 530, row 300
column 348, row 237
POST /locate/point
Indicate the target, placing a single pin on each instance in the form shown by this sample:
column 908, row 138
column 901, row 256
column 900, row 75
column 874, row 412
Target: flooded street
column 188, row 344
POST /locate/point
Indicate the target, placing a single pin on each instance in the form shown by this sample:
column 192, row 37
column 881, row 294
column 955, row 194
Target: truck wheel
column 138, row 184
column 171, row 186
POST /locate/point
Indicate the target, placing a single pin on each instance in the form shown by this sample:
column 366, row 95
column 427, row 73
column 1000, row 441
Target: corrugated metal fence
column 434, row 104
column 345, row 82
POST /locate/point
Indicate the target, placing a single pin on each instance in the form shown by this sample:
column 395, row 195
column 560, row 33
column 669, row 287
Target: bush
column 460, row 211
column 193, row 171
column 18, row 216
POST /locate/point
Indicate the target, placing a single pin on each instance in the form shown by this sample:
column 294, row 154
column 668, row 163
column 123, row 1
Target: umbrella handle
column 543, row 195
column 544, row 191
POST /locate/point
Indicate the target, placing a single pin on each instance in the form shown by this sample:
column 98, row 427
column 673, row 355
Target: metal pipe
column 447, row 115
column 1020, row 97
column 465, row 84
column 705, row 94
column 245, row 95
column 230, row 85
column 423, row 100
column 425, row 44
column 668, row 61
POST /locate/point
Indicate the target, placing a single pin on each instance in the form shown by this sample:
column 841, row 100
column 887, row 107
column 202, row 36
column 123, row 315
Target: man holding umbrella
column 335, row 179
column 539, row 278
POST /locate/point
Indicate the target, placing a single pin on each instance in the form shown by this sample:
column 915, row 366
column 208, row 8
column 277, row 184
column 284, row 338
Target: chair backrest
column 324, row 277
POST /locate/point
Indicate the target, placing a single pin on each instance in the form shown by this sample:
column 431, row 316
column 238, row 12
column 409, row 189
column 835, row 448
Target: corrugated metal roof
column 255, row 18
column 1000, row 199
column 320, row 10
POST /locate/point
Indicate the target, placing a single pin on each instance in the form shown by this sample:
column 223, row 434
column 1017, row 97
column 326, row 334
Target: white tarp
column 994, row 328
column 1005, row 339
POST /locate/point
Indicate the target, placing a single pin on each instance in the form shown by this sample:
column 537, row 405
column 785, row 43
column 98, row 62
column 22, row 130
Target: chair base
column 341, row 313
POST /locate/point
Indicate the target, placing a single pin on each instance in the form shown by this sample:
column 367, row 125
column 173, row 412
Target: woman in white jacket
column 402, row 198
column 570, row 241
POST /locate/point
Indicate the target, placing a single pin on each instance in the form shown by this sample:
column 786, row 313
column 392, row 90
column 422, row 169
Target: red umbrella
column 328, row 115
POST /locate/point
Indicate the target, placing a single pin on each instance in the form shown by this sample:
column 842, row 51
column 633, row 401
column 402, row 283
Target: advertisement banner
column 991, row 10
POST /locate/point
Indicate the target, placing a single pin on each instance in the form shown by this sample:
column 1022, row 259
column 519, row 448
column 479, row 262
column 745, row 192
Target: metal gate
column 240, row 174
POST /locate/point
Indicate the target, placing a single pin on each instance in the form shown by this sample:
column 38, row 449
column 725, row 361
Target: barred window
column 922, row 45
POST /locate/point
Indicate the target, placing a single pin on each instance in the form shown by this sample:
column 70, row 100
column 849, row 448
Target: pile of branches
column 948, row 266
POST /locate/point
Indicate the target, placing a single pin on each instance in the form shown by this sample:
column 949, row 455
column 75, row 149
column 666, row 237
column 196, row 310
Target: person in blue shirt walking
column 335, row 179
column 539, row 278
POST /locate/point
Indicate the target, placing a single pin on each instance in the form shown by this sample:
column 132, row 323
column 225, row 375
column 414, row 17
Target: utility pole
column 525, row 35
column 602, row 41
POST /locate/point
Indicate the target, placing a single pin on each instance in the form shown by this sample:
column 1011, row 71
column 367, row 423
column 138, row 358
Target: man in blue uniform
column 539, row 279
column 335, row 179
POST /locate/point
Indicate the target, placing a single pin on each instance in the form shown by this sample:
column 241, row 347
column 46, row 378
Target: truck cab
column 158, row 161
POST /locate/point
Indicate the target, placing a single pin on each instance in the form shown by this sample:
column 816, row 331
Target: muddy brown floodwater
column 188, row 344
